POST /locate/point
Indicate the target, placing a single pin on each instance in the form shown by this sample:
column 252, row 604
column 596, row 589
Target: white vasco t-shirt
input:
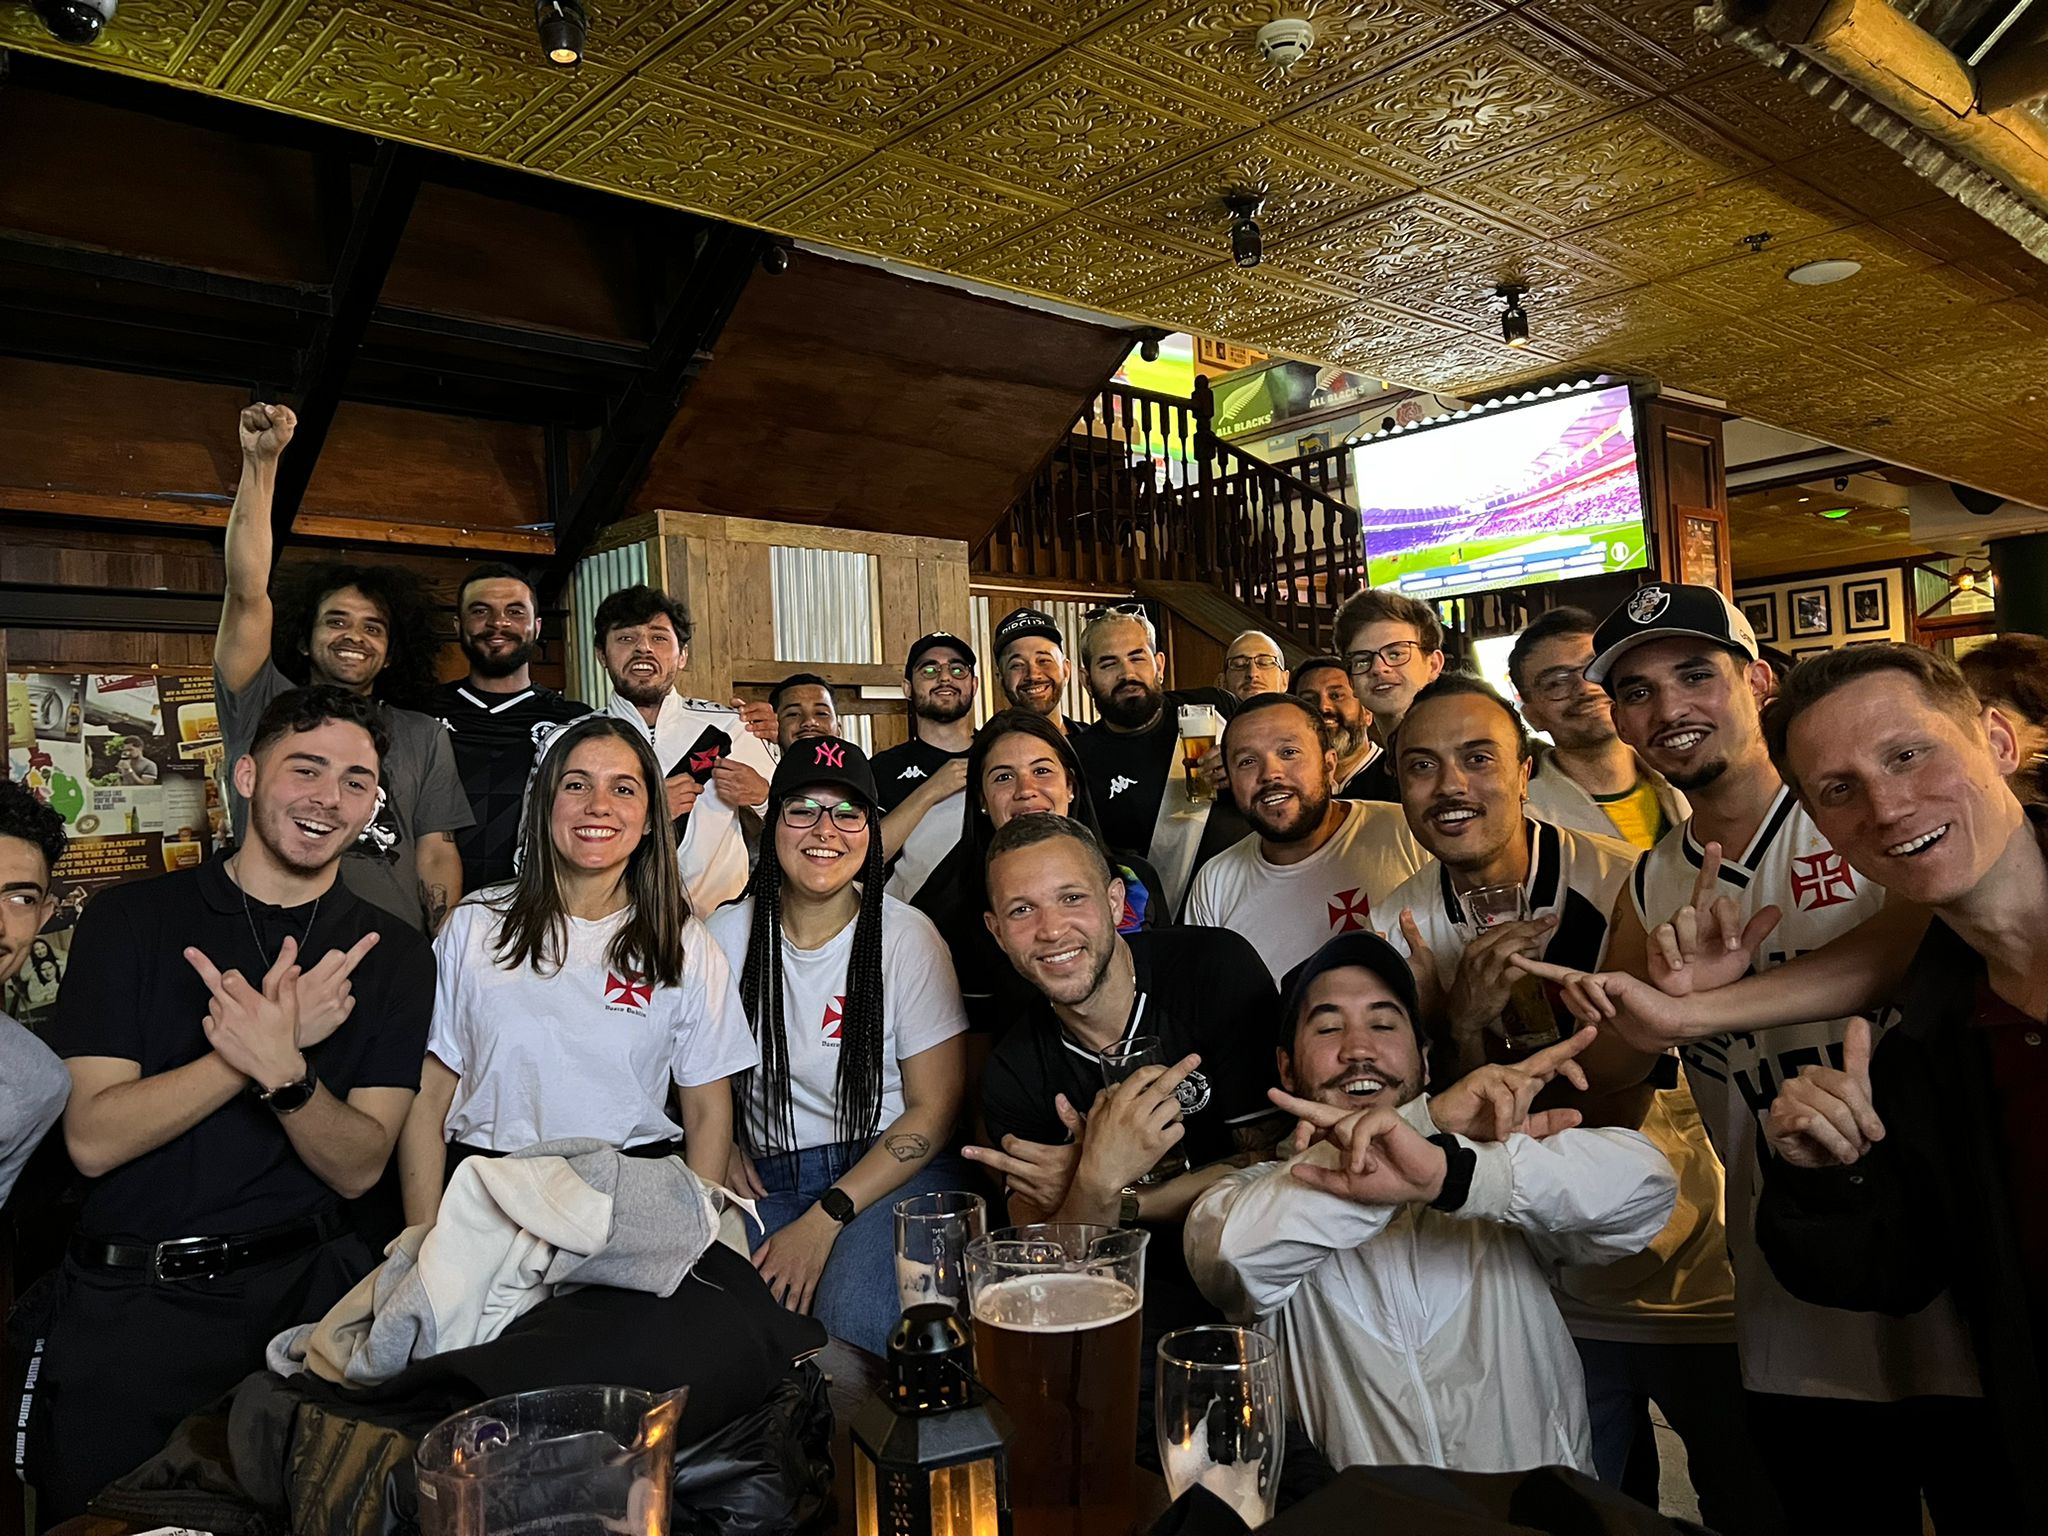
column 1287, row 911
column 1788, row 1346
column 584, row 1051
column 920, row 1004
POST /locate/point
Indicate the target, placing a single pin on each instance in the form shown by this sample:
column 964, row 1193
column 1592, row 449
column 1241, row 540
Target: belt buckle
column 209, row 1253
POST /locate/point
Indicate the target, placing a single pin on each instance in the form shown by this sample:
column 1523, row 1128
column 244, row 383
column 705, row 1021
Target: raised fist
column 265, row 431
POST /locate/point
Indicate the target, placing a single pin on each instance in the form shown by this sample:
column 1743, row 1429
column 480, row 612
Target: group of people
column 1514, row 1088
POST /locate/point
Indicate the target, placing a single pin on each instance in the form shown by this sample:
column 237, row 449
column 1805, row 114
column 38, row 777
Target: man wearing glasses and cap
column 922, row 782
column 1031, row 665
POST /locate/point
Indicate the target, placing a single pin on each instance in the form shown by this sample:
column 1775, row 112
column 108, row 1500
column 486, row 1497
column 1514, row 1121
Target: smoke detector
column 1286, row 42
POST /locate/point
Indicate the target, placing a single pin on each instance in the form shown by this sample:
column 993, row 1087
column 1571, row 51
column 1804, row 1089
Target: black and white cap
column 937, row 639
column 1667, row 608
column 1024, row 622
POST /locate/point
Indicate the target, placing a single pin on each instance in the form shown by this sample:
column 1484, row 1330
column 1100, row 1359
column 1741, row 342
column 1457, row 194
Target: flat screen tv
column 1507, row 498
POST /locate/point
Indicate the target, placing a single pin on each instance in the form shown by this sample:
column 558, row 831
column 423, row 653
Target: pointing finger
column 1308, row 1111
column 208, row 972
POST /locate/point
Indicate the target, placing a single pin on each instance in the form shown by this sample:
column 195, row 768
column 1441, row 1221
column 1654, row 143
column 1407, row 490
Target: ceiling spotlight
column 75, row 21
column 1514, row 320
column 562, row 25
column 1247, row 246
column 1817, row 273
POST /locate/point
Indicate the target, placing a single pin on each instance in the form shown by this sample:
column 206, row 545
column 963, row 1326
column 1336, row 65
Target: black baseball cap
column 1669, row 608
column 1316, row 664
column 1363, row 948
column 824, row 760
column 1022, row 624
column 938, row 639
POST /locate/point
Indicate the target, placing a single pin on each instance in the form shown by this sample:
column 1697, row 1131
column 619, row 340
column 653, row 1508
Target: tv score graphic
column 1529, row 494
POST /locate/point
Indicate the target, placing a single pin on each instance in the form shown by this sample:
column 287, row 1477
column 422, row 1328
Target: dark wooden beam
column 373, row 237
column 726, row 259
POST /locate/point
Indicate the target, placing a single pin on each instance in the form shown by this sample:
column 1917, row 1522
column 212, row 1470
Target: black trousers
column 1864, row 1467
column 127, row 1358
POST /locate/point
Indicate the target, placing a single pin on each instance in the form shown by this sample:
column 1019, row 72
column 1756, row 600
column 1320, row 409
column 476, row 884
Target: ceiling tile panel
column 899, row 205
column 1465, row 298
column 1767, row 113
column 1699, row 230
column 1085, row 256
column 1405, row 242
column 1655, row 38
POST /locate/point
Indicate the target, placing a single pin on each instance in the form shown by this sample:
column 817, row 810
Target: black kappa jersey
column 899, row 770
column 493, row 735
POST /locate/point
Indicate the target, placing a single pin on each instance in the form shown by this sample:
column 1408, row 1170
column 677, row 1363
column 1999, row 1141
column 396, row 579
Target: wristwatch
column 292, row 1097
column 837, row 1204
column 1127, row 1208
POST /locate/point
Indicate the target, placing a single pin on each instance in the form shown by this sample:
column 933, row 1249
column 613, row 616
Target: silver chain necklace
column 249, row 916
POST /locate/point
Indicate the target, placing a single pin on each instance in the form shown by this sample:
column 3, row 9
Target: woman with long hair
column 853, row 1001
column 1020, row 764
column 571, row 998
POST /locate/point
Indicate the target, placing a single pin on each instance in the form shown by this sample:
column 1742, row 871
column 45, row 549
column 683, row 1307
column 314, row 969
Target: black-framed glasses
column 1117, row 611
column 802, row 813
column 931, row 671
column 1560, row 683
column 1396, row 655
column 1241, row 666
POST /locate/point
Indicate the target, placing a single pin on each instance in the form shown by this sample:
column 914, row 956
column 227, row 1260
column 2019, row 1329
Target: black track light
column 1514, row 320
column 1247, row 245
column 563, row 25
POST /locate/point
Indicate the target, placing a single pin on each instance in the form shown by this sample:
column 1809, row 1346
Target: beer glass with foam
column 1200, row 726
column 1057, row 1338
column 1530, row 1021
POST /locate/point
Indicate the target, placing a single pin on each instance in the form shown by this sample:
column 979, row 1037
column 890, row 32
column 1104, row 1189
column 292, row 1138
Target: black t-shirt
column 1128, row 772
column 493, row 738
column 1201, row 990
column 130, row 993
column 900, row 770
column 1375, row 781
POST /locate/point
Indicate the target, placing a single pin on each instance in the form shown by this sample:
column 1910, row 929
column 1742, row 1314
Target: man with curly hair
column 369, row 629
column 33, row 1082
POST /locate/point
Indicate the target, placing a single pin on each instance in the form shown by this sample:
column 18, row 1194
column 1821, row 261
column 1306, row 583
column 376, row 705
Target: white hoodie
column 1410, row 1335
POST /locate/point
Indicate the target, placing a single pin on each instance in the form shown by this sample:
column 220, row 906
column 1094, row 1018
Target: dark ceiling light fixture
column 1514, row 320
column 1247, row 245
column 563, row 26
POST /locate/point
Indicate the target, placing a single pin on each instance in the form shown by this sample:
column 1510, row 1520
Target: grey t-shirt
column 422, row 793
column 33, row 1087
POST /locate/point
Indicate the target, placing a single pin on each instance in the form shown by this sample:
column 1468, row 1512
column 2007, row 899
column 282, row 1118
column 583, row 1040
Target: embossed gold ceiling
column 1598, row 150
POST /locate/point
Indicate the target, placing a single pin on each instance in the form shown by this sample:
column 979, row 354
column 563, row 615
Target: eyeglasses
column 1396, row 656
column 802, row 813
column 1560, row 683
column 1238, row 666
column 930, row 671
column 1117, row 611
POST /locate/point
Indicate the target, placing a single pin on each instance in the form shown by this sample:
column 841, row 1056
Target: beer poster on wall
column 128, row 760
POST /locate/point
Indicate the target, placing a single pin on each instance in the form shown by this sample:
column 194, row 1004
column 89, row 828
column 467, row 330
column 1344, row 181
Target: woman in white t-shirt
column 570, row 999
column 852, row 998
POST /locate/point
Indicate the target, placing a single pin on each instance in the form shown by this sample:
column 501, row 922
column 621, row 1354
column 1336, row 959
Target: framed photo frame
column 1810, row 611
column 1800, row 653
column 1762, row 613
column 1866, row 606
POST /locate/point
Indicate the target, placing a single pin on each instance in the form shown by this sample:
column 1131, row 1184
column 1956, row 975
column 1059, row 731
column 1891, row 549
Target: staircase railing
column 1140, row 488
column 1327, row 469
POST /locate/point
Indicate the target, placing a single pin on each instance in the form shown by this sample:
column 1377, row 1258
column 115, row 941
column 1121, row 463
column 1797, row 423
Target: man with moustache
column 1363, row 771
column 1392, row 646
column 244, row 1039
column 1757, row 880
column 497, row 715
column 804, row 708
column 1132, row 754
column 1314, row 865
column 1031, row 665
column 923, row 782
column 363, row 628
column 1253, row 663
column 1589, row 779
column 713, row 765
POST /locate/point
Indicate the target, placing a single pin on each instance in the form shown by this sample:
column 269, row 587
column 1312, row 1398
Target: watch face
column 291, row 1096
column 838, row 1205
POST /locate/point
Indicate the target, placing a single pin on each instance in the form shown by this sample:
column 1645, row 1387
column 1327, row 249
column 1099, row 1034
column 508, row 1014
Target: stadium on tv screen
column 1538, row 493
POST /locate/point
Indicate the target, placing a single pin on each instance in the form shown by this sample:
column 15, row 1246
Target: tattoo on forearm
column 907, row 1147
column 434, row 902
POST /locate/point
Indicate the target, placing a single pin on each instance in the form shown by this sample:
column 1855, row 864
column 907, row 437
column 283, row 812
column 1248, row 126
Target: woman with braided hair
column 852, row 999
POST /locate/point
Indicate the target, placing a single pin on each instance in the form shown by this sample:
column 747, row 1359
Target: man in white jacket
column 1406, row 1270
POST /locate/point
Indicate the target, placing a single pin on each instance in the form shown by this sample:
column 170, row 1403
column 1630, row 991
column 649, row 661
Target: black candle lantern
column 928, row 1449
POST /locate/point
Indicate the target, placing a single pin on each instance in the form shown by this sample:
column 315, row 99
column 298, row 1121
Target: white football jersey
column 1788, row 1346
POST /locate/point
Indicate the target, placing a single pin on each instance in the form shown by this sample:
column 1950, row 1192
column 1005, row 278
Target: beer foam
column 1055, row 1302
column 1237, row 1484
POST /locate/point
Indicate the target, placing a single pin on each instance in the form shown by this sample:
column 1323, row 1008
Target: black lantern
column 928, row 1449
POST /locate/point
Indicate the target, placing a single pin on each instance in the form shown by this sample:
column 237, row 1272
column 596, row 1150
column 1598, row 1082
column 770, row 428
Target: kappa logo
column 634, row 992
column 1648, row 604
column 1822, row 880
column 835, row 1018
column 708, row 758
column 1349, row 911
column 1119, row 784
column 830, row 755
column 913, row 772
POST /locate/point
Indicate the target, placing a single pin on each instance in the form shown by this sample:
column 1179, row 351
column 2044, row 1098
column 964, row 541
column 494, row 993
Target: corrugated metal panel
column 827, row 605
column 597, row 577
column 1071, row 616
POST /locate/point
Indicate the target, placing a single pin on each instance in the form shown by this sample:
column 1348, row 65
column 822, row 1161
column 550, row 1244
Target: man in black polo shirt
column 1132, row 755
column 496, row 715
column 923, row 782
column 244, row 1040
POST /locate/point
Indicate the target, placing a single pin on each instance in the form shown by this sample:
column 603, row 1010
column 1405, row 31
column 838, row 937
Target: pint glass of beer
column 1057, row 1340
column 1118, row 1063
column 1200, row 726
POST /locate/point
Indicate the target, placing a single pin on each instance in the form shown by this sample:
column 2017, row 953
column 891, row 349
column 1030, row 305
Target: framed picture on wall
column 1866, row 605
column 1810, row 610
column 1801, row 652
column 1762, row 613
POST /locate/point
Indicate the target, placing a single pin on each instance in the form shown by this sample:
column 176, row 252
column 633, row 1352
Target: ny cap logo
column 829, row 755
column 1648, row 604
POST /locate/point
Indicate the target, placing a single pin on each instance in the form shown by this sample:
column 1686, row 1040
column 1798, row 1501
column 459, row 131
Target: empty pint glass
column 1200, row 728
column 1057, row 1339
column 1530, row 1022
column 1118, row 1063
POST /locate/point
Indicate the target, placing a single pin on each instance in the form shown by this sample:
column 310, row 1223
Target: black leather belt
column 205, row 1258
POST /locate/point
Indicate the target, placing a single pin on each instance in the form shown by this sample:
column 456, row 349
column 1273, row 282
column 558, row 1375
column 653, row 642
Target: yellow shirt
column 1637, row 813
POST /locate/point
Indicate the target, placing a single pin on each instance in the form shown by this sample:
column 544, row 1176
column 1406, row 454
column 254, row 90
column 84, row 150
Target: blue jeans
column 856, row 1296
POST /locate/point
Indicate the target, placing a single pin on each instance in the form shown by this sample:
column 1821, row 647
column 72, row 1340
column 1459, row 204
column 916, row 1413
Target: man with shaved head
column 1253, row 664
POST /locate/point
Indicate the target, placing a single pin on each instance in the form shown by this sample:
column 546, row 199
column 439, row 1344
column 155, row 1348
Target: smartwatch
column 291, row 1097
column 837, row 1204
